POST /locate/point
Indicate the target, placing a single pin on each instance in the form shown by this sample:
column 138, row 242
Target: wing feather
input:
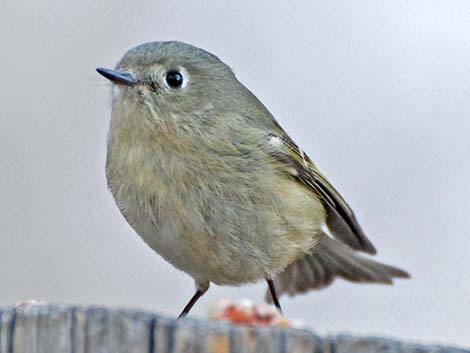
column 341, row 220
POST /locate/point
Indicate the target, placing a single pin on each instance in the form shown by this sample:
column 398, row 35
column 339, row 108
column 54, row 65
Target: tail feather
column 330, row 259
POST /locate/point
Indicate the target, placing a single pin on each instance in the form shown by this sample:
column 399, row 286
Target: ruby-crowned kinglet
column 210, row 181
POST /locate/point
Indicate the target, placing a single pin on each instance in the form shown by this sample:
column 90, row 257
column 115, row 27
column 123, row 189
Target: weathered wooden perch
column 70, row 329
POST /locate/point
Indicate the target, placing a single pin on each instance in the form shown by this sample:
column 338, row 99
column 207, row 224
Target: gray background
column 377, row 92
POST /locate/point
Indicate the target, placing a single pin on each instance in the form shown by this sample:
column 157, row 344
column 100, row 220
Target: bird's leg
column 200, row 290
column 272, row 290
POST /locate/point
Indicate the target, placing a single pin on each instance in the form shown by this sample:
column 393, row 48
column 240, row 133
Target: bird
column 207, row 177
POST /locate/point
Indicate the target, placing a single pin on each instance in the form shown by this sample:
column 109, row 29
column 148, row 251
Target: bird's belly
column 203, row 258
column 220, row 224
column 225, row 240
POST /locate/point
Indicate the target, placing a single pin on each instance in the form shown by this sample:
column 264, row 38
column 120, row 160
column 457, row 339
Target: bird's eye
column 174, row 79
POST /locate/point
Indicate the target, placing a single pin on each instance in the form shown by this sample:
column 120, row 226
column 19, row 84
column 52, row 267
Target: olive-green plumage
column 207, row 177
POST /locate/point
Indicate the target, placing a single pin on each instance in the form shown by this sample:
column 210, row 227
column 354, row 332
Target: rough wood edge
column 79, row 329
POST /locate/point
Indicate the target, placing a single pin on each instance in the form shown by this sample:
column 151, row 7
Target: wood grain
column 74, row 329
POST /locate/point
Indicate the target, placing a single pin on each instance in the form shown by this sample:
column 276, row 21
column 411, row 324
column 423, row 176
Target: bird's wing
column 340, row 218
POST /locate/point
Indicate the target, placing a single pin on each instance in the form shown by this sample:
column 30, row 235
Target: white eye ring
column 175, row 79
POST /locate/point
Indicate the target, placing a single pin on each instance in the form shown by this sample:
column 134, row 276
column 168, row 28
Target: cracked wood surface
column 77, row 329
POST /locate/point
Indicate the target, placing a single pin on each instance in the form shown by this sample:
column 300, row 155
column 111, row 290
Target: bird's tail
column 326, row 261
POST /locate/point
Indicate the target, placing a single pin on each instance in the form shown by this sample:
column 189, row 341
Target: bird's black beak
column 118, row 77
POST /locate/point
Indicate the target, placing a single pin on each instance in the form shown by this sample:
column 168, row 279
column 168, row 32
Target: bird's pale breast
column 203, row 214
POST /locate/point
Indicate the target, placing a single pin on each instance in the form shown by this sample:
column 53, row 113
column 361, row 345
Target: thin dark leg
column 272, row 290
column 199, row 293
